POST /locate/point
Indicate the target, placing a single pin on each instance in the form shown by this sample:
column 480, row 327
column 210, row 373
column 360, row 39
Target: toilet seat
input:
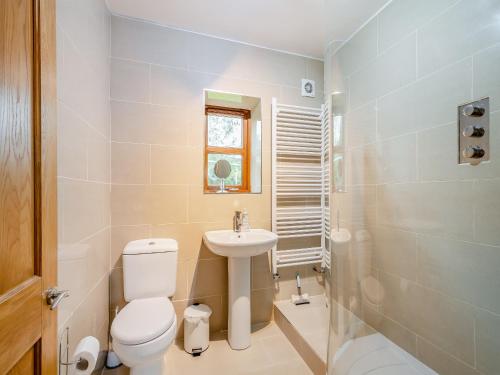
column 143, row 320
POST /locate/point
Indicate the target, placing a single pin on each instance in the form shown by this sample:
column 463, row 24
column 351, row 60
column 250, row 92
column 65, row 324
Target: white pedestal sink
column 239, row 247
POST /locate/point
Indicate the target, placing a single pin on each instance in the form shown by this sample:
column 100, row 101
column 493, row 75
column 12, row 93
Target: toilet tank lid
column 150, row 246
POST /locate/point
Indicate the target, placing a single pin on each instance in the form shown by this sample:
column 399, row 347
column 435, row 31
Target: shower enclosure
column 414, row 283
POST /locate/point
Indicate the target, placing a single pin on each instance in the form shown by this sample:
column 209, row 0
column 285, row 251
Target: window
column 227, row 137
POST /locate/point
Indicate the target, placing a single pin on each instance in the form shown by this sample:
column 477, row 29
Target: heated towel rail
column 300, row 185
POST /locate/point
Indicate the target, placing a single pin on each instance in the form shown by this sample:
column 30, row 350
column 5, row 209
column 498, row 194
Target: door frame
column 46, row 157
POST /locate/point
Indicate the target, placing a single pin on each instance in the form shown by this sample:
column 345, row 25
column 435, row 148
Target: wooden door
column 28, row 227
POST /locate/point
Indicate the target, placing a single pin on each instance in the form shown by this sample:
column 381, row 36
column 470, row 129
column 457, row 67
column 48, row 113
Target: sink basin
column 239, row 247
column 243, row 244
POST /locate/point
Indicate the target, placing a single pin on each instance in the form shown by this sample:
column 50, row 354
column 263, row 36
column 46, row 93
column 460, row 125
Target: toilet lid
column 143, row 320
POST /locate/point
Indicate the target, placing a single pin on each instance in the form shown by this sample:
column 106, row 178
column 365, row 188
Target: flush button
column 473, row 131
column 473, row 111
column 473, row 152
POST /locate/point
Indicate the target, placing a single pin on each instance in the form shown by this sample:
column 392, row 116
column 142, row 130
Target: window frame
column 244, row 151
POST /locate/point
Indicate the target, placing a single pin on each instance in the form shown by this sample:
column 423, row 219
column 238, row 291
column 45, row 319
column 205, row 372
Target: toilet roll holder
column 81, row 363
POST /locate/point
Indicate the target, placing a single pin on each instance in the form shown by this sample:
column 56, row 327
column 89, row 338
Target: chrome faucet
column 237, row 221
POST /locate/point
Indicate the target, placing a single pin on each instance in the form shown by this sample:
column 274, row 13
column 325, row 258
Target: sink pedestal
column 239, row 248
column 239, row 325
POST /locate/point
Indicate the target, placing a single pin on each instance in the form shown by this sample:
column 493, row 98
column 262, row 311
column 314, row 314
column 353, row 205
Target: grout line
column 416, row 54
column 150, row 84
column 74, row 179
column 474, row 336
column 209, row 73
column 150, row 165
column 359, row 29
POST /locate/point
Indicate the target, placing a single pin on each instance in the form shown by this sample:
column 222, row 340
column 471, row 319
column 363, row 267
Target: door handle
column 54, row 296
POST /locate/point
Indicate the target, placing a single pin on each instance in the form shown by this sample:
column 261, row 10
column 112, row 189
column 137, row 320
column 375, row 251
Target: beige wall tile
column 231, row 59
column 393, row 69
column 130, row 81
column 315, row 71
column 397, row 160
column 445, row 322
column 130, row 163
column 361, row 49
column 440, row 361
column 427, row 103
column 395, row 332
column 404, row 17
column 262, row 305
column 486, row 76
column 428, row 208
column 487, row 211
column 262, row 277
column 80, row 266
column 86, row 93
column 98, row 157
column 290, row 94
column 217, row 208
column 488, row 342
column 178, row 87
column 145, row 123
column 182, row 287
column 464, row 270
column 85, row 209
column 358, row 205
column 207, row 277
column 140, row 40
column 444, row 39
column 395, row 251
column 121, row 235
column 116, row 292
column 72, row 134
column 176, row 165
column 148, row 204
column 361, row 125
column 362, row 165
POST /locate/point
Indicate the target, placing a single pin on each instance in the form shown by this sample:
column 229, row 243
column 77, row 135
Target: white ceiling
column 296, row 26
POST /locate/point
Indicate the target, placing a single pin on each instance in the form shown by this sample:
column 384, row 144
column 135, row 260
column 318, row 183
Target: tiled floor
column 270, row 353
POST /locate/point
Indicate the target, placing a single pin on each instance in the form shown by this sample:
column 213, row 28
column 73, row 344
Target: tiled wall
column 83, row 35
column 431, row 225
column 157, row 136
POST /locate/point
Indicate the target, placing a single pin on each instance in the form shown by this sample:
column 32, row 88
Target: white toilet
column 145, row 328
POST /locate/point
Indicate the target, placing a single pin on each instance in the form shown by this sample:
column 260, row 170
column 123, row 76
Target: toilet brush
column 300, row 299
column 112, row 360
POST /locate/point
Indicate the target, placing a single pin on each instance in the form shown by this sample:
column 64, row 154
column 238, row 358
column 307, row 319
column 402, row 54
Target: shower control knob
column 473, row 131
column 473, row 111
column 473, row 152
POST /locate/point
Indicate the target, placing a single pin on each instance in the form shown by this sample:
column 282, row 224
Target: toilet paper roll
column 86, row 354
